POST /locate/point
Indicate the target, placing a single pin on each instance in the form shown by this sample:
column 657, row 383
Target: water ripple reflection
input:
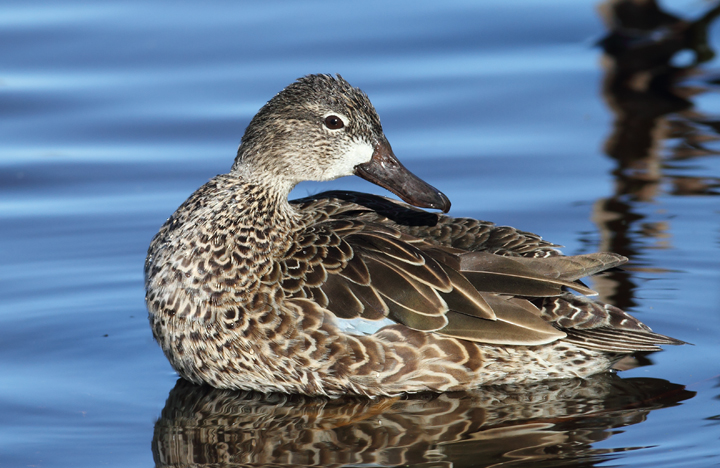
column 545, row 424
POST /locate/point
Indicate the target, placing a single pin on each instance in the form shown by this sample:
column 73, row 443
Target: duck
column 347, row 293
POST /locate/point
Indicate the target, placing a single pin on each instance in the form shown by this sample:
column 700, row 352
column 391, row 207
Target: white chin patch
column 358, row 152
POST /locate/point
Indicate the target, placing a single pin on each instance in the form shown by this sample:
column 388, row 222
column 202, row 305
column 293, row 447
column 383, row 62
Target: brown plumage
column 352, row 293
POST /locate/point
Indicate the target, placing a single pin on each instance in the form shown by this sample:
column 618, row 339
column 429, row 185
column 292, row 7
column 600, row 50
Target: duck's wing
column 358, row 268
column 362, row 270
column 359, row 261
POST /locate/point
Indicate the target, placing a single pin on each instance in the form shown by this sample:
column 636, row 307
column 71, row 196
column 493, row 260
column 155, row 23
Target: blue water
column 112, row 113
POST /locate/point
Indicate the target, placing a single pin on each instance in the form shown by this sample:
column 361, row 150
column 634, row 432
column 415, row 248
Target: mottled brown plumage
column 353, row 293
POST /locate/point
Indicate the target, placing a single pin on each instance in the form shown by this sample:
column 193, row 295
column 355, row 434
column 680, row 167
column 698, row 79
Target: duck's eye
column 333, row 122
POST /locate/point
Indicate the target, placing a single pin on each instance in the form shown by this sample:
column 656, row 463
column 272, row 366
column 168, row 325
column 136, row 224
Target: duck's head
column 321, row 128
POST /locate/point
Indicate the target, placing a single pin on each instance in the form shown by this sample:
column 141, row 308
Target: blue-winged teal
column 349, row 293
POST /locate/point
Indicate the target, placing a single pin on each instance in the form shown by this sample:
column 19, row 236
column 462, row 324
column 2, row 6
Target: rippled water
column 112, row 113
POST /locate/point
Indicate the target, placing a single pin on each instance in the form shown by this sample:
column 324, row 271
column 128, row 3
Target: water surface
column 114, row 112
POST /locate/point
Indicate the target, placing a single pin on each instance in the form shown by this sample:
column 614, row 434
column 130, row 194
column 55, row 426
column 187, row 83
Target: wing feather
column 373, row 258
column 404, row 288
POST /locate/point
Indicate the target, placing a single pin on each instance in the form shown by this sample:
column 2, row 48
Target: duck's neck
column 262, row 203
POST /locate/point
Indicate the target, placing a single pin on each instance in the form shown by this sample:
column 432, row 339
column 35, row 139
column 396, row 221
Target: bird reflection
column 655, row 125
column 542, row 424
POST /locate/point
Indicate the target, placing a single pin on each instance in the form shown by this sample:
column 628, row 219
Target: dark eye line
column 333, row 122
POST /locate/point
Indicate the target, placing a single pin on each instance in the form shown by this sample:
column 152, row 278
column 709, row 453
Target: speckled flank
column 245, row 289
